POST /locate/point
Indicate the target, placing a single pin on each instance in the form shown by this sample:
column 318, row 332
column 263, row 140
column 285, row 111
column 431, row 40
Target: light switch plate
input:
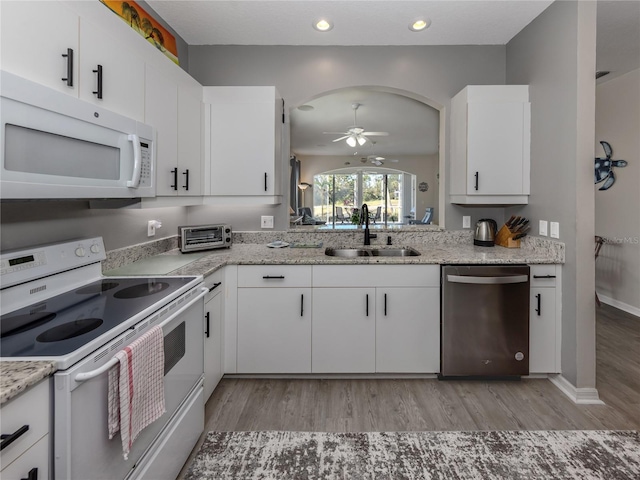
column 266, row 221
column 542, row 229
column 466, row 221
column 554, row 228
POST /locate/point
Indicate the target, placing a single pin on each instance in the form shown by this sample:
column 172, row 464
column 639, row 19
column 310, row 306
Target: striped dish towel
column 136, row 387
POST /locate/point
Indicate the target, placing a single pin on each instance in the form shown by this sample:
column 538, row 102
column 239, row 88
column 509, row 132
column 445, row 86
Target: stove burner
column 69, row 330
column 97, row 288
column 141, row 290
column 22, row 323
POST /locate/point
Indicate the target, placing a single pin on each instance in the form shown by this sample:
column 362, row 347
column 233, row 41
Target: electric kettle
column 485, row 233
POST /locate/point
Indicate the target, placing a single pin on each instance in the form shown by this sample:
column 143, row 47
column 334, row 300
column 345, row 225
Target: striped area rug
column 544, row 455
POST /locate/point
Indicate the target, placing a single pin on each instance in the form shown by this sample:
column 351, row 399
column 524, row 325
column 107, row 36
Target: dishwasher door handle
column 488, row 280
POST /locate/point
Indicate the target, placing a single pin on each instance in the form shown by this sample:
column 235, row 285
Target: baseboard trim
column 579, row 396
column 621, row 305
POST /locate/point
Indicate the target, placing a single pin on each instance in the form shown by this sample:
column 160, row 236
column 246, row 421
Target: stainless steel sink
column 371, row 252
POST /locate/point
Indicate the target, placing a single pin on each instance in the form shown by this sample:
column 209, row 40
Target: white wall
column 555, row 55
column 617, row 209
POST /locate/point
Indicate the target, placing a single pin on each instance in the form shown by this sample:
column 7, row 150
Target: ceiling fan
column 355, row 135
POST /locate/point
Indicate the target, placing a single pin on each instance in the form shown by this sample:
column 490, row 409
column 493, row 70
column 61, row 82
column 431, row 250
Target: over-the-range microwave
column 54, row 145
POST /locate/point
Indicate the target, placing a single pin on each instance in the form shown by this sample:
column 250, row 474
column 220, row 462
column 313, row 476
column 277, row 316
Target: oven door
column 81, row 440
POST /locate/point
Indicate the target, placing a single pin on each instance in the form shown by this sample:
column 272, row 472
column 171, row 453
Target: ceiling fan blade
column 337, row 133
column 341, row 138
column 374, row 134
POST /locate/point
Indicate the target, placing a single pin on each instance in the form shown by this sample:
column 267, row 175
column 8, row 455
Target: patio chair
column 373, row 217
column 428, row 215
column 340, row 215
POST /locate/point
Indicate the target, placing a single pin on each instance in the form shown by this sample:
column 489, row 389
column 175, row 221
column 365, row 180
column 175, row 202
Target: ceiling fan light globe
column 361, row 140
column 351, row 141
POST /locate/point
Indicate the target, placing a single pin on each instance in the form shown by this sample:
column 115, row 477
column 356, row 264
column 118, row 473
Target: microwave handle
column 137, row 163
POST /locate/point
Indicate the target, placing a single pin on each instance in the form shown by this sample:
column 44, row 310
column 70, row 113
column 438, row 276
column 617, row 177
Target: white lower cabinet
column 24, row 421
column 213, row 333
column 408, row 329
column 344, row 330
column 544, row 319
column 274, row 319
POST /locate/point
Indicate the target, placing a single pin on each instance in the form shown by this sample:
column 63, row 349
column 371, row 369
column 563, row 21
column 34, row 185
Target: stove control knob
column 80, row 252
column 95, row 248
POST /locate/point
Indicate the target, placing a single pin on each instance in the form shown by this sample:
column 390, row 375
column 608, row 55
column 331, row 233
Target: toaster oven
column 204, row 237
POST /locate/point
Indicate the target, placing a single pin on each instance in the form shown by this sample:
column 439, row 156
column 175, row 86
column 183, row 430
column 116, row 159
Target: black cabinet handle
column 268, row 277
column 175, row 178
column 214, row 286
column 69, row 57
column 302, row 304
column 367, row 304
column 186, row 180
column 385, row 304
column 32, row 475
column 544, row 276
column 98, row 73
column 477, row 177
column 8, row 439
column 539, row 309
column 206, row 330
column 265, row 181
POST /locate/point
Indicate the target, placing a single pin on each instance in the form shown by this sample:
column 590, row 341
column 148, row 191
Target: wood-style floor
column 401, row 405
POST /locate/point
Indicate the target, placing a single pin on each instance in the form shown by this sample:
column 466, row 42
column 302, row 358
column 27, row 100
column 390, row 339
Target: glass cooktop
column 66, row 322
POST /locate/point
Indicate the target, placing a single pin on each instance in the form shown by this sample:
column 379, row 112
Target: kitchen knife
column 508, row 222
column 520, row 235
column 517, row 226
column 513, row 223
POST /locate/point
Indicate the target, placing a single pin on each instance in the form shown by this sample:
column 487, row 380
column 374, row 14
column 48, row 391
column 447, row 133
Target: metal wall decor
column 423, row 186
column 604, row 167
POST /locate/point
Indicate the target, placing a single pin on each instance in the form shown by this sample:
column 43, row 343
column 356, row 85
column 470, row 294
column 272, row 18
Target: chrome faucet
column 364, row 217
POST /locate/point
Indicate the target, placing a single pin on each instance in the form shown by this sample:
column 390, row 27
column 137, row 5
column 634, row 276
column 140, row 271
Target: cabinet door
column 495, row 148
column 190, row 181
column 542, row 331
column 34, row 36
column 274, row 330
column 212, row 344
column 243, row 148
column 408, row 330
column 344, row 330
column 122, row 72
column 161, row 111
column 35, row 461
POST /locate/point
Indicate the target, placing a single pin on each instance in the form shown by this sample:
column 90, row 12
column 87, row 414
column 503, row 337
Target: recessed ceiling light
column 306, row 108
column 323, row 25
column 419, row 24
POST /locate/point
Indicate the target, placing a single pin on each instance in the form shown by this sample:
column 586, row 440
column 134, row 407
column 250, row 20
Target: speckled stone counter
column 16, row 377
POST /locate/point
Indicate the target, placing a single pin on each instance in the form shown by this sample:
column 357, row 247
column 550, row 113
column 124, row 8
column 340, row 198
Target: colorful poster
column 143, row 23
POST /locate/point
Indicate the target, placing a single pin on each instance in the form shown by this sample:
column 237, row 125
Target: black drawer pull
column 367, row 304
column 33, row 475
column 69, row 57
column 302, row 304
column 175, row 178
column 477, row 178
column 271, row 277
column 98, row 72
column 206, row 331
column 385, row 304
column 544, row 276
column 265, row 181
column 8, row 439
column 214, row 286
column 539, row 309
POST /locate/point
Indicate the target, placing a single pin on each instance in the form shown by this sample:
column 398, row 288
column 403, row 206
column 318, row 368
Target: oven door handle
column 83, row 377
column 488, row 280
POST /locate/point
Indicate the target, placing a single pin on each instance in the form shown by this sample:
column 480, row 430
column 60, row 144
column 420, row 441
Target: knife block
column 504, row 238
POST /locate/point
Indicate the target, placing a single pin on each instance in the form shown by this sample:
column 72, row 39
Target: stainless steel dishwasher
column 485, row 321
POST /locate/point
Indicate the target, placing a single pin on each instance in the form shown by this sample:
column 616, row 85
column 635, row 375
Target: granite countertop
column 254, row 254
column 16, row 377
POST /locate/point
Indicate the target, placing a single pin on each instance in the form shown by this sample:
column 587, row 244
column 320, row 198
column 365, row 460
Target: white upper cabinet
column 244, row 140
column 111, row 76
column 190, row 176
column 34, row 38
column 490, row 145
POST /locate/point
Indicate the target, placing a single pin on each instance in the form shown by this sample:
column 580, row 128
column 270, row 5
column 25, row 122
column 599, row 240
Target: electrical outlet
column 554, row 228
column 466, row 221
column 266, row 221
column 542, row 229
column 151, row 227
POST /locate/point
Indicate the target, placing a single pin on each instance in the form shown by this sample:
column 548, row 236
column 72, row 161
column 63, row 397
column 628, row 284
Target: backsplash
column 123, row 256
